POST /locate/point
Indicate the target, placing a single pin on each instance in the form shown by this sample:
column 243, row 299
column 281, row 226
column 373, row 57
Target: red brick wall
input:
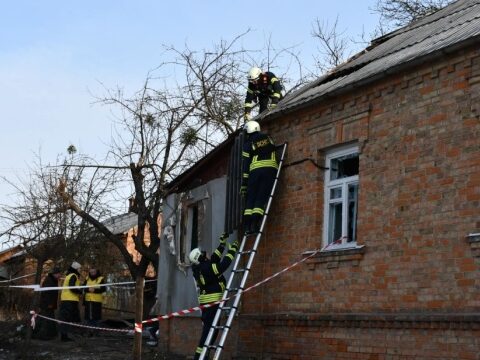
column 419, row 198
column 399, row 297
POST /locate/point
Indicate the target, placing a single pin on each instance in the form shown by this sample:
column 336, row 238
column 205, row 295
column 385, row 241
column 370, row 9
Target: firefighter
column 93, row 297
column 259, row 164
column 70, row 299
column 211, row 283
column 262, row 88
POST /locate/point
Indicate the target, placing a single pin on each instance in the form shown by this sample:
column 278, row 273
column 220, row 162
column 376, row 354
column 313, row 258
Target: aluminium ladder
column 234, row 293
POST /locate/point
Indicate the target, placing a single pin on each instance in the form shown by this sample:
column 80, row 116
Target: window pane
column 352, row 212
column 344, row 166
column 336, row 193
column 335, row 222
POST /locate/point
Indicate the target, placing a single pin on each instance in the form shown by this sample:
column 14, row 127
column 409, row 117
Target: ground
column 108, row 346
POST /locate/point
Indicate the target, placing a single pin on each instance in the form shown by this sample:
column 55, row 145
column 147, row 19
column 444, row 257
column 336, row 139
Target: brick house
column 384, row 165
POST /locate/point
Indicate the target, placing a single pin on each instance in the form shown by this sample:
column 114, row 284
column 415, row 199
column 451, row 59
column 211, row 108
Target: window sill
column 336, row 255
column 474, row 240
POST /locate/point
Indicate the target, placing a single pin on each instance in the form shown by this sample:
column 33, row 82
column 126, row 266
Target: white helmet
column 252, row 126
column 194, row 256
column 254, row 73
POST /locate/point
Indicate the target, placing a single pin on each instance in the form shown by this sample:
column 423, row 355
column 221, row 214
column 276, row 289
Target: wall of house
column 418, row 133
column 176, row 286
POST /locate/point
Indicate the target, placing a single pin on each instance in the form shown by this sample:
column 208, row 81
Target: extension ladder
column 233, row 293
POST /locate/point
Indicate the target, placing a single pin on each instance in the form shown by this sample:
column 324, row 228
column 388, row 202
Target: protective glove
column 272, row 106
column 234, row 245
column 223, row 238
column 243, row 190
column 247, row 117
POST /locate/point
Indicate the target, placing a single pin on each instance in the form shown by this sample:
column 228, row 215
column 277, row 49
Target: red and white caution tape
column 34, row 315
column 139, row 326
column 37, row 287
column 204, row 306
column 17, row 278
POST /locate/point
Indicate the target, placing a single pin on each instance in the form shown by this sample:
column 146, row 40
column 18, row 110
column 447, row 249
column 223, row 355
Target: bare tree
column 161, row 130
column 396, row 13
column 334, row 46
column 39, row 220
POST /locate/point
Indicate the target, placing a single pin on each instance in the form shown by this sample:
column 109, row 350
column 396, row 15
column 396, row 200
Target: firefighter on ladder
column 260, row 167
column 208, row 273
column 264, row 88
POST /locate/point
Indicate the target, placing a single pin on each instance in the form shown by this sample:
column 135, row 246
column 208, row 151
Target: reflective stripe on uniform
column 259, row 211
column 263, row 163
column 277, row 95
column 247, row 212
column 249, row 105
column 208, row 298
column 245, row 154
column 215, row 269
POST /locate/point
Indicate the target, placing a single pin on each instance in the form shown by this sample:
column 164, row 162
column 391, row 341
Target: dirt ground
column 108, row 346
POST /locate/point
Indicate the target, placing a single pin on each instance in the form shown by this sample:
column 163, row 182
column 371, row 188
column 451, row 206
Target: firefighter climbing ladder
column 233, row 293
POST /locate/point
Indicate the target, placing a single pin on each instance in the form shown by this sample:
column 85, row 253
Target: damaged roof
column 454, row 26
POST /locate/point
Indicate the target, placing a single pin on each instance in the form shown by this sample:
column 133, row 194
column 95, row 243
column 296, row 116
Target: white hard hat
column 252, row 126
column 254, row 73
column 194, row 256
column 75, row 265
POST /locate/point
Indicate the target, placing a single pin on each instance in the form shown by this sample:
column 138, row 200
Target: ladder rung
column 239, row 270
column 221, row 327
column 247, row 252
column 234, row 289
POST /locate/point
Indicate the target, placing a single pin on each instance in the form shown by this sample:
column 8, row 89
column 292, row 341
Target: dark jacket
column 209, row 274
column 258, row 152
column 267, row 85
column 49, row 299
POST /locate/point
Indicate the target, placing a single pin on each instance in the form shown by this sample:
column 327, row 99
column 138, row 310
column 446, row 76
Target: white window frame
column 343, row 183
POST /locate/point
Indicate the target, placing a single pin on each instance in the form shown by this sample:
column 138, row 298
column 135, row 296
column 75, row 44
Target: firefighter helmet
column 254, row 73
column 195, row 256
column 252, row 126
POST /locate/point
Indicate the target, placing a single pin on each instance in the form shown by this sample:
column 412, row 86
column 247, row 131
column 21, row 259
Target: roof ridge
column 419, row 25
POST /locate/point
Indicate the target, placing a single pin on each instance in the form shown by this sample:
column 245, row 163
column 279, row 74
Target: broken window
column 341, row 196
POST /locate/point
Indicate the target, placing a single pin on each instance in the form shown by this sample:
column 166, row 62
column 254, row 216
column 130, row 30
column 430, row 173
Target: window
column 341, row 196
column 192, row 220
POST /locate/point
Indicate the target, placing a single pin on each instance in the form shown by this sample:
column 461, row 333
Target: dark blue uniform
column 265, row 88
column 211, row 283
column 260, row 167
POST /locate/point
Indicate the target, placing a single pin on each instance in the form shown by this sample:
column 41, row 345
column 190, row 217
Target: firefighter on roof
column 259, row 164
column 262, row 87
column 208, row 274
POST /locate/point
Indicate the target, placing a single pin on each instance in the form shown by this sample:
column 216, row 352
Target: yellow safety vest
column 95, row 297
column 67, row 294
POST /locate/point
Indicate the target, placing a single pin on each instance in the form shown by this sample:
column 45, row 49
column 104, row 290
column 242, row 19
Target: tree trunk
column 137, row 342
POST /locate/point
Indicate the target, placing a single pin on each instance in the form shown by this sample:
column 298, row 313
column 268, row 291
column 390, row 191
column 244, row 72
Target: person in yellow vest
column 93, row 298
column 69, row 300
